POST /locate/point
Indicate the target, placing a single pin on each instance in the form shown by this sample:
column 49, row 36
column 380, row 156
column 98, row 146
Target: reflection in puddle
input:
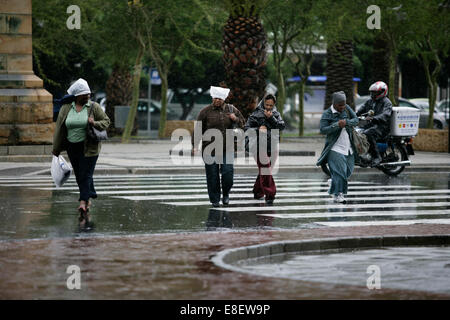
column 408, row 268
column 29, row 213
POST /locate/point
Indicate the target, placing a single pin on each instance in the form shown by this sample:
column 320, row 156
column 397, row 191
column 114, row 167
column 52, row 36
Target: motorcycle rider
column 378, row 124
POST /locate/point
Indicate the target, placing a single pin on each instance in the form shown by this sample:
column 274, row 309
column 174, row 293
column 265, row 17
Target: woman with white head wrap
column 71, row 135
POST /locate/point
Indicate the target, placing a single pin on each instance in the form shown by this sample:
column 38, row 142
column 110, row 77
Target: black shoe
column 216, row 204
column 269, row 201
column 257, row 197
column 226, row 200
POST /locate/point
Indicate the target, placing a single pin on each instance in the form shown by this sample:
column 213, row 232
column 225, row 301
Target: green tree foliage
column 429, row 29
column 61, row 55
column 341, row 23
column 185, row 40
column 283, row 24
column 170, row 26
column 389, row 40
column 192, row 75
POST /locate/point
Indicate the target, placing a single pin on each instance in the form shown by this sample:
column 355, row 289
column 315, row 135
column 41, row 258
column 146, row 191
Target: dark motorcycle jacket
column 381, row 120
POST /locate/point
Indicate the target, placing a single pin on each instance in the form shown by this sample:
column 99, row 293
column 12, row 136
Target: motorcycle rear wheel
column 401, row 154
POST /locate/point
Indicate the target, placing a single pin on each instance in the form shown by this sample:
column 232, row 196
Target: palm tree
column 244, row 52
column 118, row 91
column 339, row 71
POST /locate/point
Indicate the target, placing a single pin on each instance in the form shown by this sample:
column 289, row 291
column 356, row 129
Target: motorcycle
column 395, row 149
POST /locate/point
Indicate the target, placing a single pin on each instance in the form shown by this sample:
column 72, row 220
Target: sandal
column 83, row 212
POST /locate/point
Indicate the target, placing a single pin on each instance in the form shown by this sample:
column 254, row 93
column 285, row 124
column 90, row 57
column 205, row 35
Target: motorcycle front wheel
column 397, row 152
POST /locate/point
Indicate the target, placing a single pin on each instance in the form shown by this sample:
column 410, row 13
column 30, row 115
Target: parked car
column 439, row 121
column 360, row 100
column 155, row 114
column 201, row 101
column 444, row 107
column 438, row 117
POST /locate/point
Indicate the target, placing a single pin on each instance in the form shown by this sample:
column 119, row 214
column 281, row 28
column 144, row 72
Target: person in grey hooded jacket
column 339, row 150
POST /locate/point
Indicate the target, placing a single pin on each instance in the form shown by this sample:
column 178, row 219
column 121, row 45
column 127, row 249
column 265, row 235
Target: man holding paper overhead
column 212, row 122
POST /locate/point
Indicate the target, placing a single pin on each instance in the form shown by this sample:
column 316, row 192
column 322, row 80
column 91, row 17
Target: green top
column 91, row 147
column 76, row 123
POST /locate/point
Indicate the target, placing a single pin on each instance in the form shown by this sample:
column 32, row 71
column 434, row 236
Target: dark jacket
column 91, row 148
column 329, row 126
column 212, row 117
column 381, row 119
column 258, row 119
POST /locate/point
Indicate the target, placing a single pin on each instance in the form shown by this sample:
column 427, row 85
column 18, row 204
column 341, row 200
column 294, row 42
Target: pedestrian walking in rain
column 252, row 106
column 339, row 150
column 220, row 116
column 264, row 119
column 71, row 135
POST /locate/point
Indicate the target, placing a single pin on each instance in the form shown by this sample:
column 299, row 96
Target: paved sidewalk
column 154, row 156
column 177, row 266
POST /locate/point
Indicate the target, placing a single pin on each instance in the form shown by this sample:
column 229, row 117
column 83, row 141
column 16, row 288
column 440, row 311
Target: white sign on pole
column 155, row 79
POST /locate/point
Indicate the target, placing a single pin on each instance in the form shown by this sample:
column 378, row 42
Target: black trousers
column 213, row 172
column 83, row 168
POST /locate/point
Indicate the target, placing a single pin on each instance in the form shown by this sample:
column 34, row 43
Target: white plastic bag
column 60, row 170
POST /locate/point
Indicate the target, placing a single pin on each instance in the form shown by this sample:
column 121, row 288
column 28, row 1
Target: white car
column 439, row 121
column 444, row 107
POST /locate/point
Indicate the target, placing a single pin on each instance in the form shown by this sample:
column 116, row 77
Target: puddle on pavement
column 408, row 268
column 29, row 213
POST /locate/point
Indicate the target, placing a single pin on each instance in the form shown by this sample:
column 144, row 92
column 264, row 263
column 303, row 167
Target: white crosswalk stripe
column 384, row 223
column 169, row 186
column 335, row 206
column 248, row 189
column 323, row 215
column 302, row 200
column 308, row 200
column 236, row 196
column 144, row 182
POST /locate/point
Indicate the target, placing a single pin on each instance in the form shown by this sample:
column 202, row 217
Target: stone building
column 26, row 109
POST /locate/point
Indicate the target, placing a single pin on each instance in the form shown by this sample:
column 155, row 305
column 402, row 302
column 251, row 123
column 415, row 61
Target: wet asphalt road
column 31, row 208
column 153, row 236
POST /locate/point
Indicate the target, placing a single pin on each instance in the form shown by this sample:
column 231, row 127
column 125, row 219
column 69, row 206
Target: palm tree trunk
column 380, row 59
column 339, row 71
column 118, row 93
column 245, row 53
